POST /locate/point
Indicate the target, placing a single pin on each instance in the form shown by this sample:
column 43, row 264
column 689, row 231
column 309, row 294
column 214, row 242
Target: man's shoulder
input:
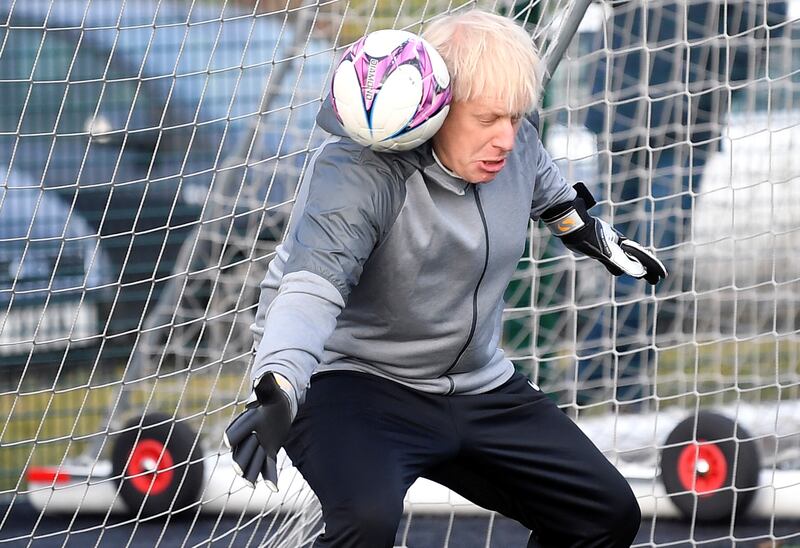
column 355, row 160
column 531, row 120
column 347, row 171
column 528, row 136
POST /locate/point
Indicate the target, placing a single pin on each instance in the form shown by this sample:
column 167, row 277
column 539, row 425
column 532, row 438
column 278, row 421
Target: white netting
column 149, row 153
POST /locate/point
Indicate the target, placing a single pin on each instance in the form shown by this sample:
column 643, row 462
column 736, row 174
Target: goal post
column 150, row 152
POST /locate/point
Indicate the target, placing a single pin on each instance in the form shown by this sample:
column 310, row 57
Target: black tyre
column 700, row 470
column 158, row 466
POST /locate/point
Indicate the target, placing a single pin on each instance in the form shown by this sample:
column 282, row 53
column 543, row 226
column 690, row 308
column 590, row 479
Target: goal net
column 150, row 151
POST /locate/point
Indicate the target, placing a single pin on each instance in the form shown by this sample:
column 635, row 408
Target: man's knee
column 621, row 522
column 361, row 523
column 610, row 523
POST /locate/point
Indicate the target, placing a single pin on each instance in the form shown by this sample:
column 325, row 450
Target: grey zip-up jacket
column 392, row 266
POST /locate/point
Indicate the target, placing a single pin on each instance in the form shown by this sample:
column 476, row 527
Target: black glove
column 585, row 234
column 256, row 435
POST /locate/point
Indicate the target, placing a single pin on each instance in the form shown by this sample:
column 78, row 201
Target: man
column 388, row 290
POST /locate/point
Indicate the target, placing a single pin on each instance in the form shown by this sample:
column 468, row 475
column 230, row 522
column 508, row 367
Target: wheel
column 700, row 471
column 157, row 465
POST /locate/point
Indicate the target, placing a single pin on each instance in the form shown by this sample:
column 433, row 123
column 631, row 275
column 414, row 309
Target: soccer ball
column 391, row 91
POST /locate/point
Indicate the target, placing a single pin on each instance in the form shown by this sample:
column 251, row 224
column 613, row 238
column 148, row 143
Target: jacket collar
column 422, row 156
column 433, row 171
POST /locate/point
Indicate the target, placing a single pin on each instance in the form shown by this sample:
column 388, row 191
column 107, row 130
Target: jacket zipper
column 476, row 193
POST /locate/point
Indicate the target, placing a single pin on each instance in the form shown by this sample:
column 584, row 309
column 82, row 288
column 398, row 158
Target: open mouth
column 493, row 166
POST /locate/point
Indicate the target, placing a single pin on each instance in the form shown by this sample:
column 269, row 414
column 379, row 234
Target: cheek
column 464, row 145
column 475, row 141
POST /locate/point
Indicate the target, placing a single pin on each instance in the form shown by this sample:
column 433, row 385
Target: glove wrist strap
column 566, row 218
column 567, row 223
column 282, row 385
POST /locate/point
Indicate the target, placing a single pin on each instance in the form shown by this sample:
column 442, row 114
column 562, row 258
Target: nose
column 506, row 133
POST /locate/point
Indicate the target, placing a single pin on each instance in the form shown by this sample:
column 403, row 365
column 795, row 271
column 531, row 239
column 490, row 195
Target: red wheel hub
column 702, row 467
column 150, row 467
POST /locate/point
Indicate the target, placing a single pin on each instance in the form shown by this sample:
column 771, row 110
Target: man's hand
column 256, row 435
column 619, row 254
column 585, row 234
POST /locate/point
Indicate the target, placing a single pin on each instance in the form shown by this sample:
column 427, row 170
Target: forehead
column 486, row 105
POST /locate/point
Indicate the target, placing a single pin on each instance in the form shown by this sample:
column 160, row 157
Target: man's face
column 475, row 138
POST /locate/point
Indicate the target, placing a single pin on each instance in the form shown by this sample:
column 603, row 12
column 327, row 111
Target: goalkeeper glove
column 256, row 435
column 585, row 234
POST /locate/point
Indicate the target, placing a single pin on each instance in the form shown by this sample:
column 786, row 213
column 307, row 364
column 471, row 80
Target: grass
column 759, row 369
column 44, row 426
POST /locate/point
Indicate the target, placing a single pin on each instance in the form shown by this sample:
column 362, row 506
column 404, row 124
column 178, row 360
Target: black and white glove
column 256, row 435
column 585, row 234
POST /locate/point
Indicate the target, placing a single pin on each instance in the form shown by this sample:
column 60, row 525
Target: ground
column 425, row 532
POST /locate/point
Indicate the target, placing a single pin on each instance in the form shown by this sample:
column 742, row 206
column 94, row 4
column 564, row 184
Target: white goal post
column 150, row 152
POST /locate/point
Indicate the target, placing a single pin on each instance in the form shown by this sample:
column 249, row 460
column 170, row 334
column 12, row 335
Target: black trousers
column 361, row 441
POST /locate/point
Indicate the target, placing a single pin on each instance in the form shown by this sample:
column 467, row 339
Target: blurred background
column 149, row 155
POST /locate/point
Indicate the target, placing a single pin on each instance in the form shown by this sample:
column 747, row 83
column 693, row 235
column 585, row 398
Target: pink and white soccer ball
column 391, row 91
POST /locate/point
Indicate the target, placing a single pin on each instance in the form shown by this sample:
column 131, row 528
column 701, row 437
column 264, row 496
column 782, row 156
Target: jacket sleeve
column 550, row 188
column 268, row 289
column 342, row 212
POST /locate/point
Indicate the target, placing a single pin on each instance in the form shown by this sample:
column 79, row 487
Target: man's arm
column 582, row 233
column 565, row 211
column 550, row 187
column 342, row 212
column 347, row 207
column 300, row 318
column 299, row 321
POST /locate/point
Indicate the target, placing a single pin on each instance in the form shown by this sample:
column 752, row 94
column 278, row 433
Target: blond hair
column 488, row 55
